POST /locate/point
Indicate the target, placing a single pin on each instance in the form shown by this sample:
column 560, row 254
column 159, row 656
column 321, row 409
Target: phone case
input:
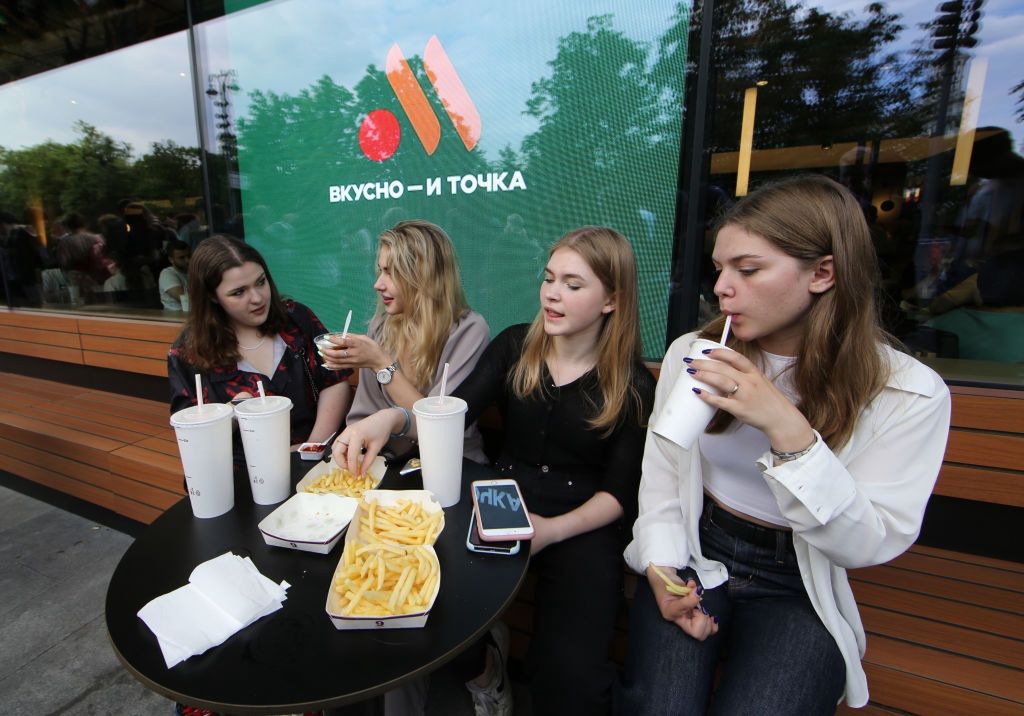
column 486, row 548
column 476, row 513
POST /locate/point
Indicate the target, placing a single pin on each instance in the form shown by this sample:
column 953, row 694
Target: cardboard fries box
column 354, row 541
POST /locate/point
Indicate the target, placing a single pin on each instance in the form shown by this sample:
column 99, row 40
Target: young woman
column 422, row 322
column 575, row 398
column 239, row 331
column 820, row 458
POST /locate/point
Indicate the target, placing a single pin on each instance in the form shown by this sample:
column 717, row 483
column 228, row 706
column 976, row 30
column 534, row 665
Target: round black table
column 294, row 660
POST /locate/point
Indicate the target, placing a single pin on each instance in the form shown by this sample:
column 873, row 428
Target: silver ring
column 733, row 391
column 344, row 354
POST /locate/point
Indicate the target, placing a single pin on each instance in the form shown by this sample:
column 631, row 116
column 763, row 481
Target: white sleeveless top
column 729, row 459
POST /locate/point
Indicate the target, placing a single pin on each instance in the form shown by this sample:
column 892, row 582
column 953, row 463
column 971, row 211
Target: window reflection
column 916, row 109
column 99, row 173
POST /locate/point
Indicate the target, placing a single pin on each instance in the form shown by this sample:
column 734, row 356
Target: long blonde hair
column 610, row 257
column 839, row 367
column 422, row 262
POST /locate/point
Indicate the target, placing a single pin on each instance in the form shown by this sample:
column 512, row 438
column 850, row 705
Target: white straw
column 348, row 320
column 199, row 390
column 259, row 387
column 725, row 331
column 444, row 383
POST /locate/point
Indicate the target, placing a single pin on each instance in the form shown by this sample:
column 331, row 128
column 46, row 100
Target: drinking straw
column 725, row 331
column 444, row 384
column 199, row 390
column 348, row 320
column 259, row 387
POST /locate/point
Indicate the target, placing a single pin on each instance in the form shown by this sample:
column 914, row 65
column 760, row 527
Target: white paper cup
column 204, row 442
column 441, row 425
column 265, row 425
column 684, row 415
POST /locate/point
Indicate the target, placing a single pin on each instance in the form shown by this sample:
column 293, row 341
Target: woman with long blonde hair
column 821, row 457
column 422, row 321
column 574, row 397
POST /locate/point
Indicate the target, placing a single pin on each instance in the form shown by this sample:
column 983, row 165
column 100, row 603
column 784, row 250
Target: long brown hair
column 207, row 339
column 610, row 257
column 422, row 262
column 839, row 367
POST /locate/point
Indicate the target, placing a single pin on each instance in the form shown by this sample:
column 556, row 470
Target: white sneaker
column 495, row 699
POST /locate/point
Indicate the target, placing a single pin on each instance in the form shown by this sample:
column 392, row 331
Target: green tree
column 168, row 171
column 829, row 76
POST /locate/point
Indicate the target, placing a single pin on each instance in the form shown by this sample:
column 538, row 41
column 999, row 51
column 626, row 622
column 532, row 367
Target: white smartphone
column 500, row 511
column 475, row 544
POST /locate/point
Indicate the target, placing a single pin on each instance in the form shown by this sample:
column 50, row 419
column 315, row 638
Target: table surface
column 295, row 660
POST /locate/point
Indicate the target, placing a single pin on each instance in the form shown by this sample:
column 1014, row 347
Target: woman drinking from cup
column 422, row 322
column 240, row 331
column 821, row 457
column 574, row 397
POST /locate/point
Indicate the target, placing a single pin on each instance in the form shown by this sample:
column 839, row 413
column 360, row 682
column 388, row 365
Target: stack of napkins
column 224, row 595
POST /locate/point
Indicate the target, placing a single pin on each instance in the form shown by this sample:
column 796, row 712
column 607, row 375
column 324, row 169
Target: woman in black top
column 575, row 399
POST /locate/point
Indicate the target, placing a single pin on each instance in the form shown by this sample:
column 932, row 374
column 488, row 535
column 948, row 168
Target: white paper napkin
column 224, row 594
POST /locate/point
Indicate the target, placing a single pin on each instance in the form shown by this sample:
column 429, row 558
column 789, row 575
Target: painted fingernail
column 691, row 371
column 696, row 390
column 687, row 359
column 714, row 619
column 704, row 611
column 707, row 350
column 700, row 590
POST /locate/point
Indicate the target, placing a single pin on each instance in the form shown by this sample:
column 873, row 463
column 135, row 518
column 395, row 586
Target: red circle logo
column 379, row 135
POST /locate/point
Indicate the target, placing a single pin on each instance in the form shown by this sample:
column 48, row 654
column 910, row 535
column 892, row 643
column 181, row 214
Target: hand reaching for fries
column 369, row 434
column 683, row 609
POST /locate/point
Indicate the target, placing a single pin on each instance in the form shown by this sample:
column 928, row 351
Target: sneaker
column 495, row 699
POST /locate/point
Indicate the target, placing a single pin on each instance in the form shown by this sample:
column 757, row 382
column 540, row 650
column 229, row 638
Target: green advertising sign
column 507, row 126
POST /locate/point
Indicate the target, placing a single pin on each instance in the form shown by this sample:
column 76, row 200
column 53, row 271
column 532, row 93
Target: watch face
column 383, row 376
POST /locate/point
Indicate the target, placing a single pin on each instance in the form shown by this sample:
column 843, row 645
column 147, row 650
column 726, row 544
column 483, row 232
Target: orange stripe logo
column 380, row 133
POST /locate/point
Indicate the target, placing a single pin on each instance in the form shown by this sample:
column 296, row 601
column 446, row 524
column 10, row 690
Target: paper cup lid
column 263, row 406
column 433, row 406
column 194, row 415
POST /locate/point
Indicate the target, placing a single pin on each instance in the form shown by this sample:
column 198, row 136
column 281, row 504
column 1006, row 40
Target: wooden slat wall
column 985, row 455
column 119, row 344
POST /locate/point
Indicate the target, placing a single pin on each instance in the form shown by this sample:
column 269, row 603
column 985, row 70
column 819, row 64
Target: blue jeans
column 779, row 658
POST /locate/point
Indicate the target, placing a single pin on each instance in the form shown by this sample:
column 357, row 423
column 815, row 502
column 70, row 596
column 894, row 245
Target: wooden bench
column 112, row 450
column 945, row 629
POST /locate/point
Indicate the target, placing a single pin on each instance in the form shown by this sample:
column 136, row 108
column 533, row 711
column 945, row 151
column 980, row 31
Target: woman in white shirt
column 821, row 457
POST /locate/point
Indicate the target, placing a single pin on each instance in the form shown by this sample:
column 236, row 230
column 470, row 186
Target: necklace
column 252, row 348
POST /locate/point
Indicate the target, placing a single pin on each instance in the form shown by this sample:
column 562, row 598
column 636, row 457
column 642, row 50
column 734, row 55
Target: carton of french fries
column 388, row 576
column 328, row 478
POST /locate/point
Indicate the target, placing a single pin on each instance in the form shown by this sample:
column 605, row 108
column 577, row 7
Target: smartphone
column 500, row 511
column 475, row 544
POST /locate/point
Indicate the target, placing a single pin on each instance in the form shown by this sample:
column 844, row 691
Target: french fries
column 383, row 580
column 405, row 524
column 670, row 586
column 388, row 567
column 340, row 481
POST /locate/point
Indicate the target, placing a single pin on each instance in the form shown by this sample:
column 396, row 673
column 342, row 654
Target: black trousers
column 579, row 590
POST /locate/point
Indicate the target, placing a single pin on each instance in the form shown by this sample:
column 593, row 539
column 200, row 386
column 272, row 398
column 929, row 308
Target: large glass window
column 918, row 111
column 99, row 175
column 505, row 123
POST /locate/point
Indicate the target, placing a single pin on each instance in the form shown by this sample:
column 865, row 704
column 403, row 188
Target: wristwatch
column 384, row 375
